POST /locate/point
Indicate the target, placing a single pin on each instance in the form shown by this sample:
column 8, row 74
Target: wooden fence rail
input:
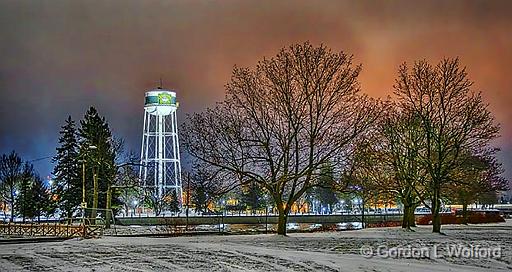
column 50, row 230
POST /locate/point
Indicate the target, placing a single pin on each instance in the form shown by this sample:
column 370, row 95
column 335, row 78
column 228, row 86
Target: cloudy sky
column 57, row 58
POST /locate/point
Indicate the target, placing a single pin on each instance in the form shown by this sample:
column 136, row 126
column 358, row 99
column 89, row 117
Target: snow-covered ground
column 328, row 251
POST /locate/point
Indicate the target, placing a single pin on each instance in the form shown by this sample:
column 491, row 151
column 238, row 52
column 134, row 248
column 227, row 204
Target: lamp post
column 83, row 205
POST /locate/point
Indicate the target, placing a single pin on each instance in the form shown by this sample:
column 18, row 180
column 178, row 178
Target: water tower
column 160, row 153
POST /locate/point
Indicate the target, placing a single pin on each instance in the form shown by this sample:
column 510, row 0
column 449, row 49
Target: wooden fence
column 50, row 230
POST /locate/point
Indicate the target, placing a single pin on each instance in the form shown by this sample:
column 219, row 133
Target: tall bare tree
column 367, row 175
column 11, row 171
column 128, row 183
column 283, row 120
column 400, row 146
column 453, row 118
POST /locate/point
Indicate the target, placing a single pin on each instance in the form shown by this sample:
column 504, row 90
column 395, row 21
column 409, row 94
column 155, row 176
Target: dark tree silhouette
column 206, row 185
column 42, row 198
column 174, row 204
column 24, row 203
column 101, row 161
column 11, row 169
column 325, row 191
column 253, row 197
column 478, row 177
column 67, row 171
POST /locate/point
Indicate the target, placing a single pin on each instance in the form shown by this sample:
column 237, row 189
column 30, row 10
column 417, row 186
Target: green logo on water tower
column 165, row 99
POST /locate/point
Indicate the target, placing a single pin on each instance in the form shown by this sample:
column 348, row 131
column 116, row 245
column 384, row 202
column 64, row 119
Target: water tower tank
column 160, row 102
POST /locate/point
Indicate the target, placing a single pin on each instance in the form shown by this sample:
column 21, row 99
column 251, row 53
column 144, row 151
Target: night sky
column 57, row 58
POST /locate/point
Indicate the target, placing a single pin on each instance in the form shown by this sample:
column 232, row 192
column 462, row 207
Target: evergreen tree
column 174, row 204
column 94, row 131
column 67, row 170
column 41, row 199
column 325, row 192
column 24, row 201
column 206, row 186
column 199, row 196
column 253, row 197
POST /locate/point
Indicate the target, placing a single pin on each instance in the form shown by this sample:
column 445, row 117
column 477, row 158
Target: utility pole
column 83, row 205
column 362, row 211
column 94, row 197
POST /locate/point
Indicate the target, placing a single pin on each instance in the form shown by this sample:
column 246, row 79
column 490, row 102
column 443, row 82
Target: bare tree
column 282, row 121
column 11, row 170
column 400, row 148
column 158, row 203
column 453, row 118
column 208, row 184
column 367, row 174
column 478, row 176
column 129, row 185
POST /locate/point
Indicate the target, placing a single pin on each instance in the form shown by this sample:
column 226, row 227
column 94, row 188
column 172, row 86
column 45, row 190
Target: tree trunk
column 108, row 211
column 412, row 216
column 436, row 216
column 465, row 218
column 405, row 219
column 12, row 212
column 362, row 214
column 281, row 225
column 283, row 217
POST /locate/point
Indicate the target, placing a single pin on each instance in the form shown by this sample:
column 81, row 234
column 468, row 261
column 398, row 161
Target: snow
column 325, row 251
